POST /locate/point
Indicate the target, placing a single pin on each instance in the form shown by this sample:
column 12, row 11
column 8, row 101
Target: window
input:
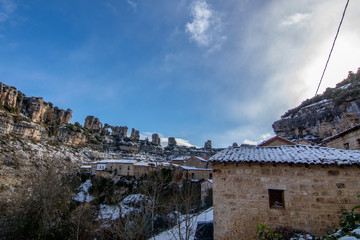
column 128, row 167
column 210, row 176
column 276, row 198
column 193, row 176
column 346, row 146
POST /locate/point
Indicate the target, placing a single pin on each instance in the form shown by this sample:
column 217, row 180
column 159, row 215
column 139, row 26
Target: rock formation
column 33, row 118
column 32, row 107
column 324, row 115
column 208, row 146
column 171, row 142
column 135, row 135
column 92, row 123
column 155, row 139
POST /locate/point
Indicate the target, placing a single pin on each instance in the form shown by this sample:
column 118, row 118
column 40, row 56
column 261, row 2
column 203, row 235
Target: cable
column 337, row 33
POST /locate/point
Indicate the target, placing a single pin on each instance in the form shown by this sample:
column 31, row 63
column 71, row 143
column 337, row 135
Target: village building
column 180, row 160
column 296, row 187
column 113, row 167
column 110, row 168
column 348, row 139
column 275, row 141
column 85, row 169
column 191, row 168
column 184, row 173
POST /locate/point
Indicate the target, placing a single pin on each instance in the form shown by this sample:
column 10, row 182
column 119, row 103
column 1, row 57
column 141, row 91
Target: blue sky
column 194, row 70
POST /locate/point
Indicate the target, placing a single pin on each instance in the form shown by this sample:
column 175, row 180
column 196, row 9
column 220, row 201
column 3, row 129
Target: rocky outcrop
column 155, row 139
column 92, row 123
column 34, row 108
column 33, row 118
column 171, row 142
column 324, row 115
column 135, row 135
column 207, row 145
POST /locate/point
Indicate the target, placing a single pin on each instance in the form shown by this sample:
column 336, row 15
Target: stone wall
column 349, row 141
column 314, row 197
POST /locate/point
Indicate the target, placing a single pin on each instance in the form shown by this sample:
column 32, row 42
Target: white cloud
column 296, row 18
column 164, row 140
column 7, row 7
column 206, row 26
column 132, row 4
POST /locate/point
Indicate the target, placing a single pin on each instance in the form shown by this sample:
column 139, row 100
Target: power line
column 337, row 33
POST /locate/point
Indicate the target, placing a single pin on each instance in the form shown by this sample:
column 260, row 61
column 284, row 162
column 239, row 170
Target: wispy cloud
column 206, row 26
column 132, row 4
column 7, row 7
column 295, row 18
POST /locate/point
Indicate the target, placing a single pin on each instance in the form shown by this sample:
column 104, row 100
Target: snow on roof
column 181, row 158
column 124, row 161
column 201, row 159
column 288, row 154
column 85, row 167
column 194, row 168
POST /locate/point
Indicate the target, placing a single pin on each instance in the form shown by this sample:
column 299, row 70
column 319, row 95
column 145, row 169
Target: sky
column 196, row 70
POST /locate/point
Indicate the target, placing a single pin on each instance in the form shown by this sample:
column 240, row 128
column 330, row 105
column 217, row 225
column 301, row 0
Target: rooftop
column 300, row 154
column 124, row 161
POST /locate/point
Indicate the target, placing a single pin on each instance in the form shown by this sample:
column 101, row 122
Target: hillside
column 322, row 116
column 34, row 134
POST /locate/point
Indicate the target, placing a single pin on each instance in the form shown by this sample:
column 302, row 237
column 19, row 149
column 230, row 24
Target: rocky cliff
column 322, row 116
column 33, row 119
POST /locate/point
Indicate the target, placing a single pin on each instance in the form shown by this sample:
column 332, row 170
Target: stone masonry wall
column 352, row 139
column 314, row 197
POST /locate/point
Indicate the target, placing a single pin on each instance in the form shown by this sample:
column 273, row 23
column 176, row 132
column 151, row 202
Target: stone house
column 113, row 167
column 299, row 187
column 85, row 169
column 348, row 139
column 180, row 160
column 194, row 161
column 142, row 168
column 276, row 141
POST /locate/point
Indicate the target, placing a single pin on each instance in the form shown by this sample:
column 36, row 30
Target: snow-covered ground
column 83, row 194
column 108, row 212
column 178, row 231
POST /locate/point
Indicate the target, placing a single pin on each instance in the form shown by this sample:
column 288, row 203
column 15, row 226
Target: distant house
column 194, row 161
column 85, row 169
column 348, row 139
column 110, row 168
column 275, row 141
column 180, row 160
column 300, row 187
column 182, row 173
column 191, row 168
column 113, row 167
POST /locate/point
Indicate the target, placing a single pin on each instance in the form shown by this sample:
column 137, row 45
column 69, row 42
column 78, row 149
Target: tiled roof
column 288, row 154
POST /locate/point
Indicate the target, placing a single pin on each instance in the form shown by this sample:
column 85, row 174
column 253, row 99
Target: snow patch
column 108, row 212
column 83, row 194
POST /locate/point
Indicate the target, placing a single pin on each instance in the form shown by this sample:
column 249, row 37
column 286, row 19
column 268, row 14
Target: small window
column 128, row 167
column 276, row 198
column 358, row 141
column 193, row 176
column 210, row 176
column 346, row 146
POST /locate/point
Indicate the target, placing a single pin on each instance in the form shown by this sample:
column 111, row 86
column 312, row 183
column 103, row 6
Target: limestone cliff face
column 33, row 118
column 324, row 115
column 34, row 108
